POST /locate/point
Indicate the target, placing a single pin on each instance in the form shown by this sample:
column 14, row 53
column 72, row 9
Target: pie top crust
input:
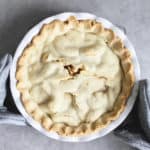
column 75, row 76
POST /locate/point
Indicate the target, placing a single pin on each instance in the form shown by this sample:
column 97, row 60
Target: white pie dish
column 27, row 39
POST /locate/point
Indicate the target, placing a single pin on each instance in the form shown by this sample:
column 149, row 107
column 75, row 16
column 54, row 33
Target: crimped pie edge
column 128, row 81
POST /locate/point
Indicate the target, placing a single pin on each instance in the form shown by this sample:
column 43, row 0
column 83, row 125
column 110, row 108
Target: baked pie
column 75, row 76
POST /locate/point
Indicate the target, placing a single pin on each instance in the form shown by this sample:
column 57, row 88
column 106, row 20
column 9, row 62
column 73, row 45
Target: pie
column 75, row 77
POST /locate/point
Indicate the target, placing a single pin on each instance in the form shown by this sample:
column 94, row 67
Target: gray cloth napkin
column 5, row 63
column 135, row 130
column 5, row 115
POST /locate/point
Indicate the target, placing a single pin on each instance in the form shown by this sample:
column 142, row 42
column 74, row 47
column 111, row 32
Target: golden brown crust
column 119, row 49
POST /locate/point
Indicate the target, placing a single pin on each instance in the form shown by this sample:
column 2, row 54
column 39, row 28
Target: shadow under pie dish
column 75, row 77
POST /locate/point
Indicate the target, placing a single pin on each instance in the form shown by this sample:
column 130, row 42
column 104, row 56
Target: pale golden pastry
column 75, row 77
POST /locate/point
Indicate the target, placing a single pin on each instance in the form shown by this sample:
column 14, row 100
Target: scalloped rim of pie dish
column 127, row 82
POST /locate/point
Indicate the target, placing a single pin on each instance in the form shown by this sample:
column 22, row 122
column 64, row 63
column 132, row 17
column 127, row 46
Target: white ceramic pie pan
column 16, row 95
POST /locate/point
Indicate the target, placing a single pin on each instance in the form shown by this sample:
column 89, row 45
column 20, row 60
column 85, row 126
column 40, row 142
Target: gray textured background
column 18, row 16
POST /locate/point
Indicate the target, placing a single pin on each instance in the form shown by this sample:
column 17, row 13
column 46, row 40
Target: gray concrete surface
column 17, row 16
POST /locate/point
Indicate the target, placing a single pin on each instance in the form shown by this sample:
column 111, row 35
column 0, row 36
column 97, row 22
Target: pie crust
column 63, row 112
